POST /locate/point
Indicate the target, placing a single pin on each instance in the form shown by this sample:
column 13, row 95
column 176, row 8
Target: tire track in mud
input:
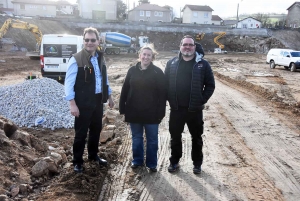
column 272, row 143
column 247, row 156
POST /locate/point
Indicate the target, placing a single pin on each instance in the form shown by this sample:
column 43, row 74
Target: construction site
column 251, row 123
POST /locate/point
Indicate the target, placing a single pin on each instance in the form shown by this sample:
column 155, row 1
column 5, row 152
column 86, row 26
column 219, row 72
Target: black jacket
column 202, row 83
column 85, row 81
column 143, row 95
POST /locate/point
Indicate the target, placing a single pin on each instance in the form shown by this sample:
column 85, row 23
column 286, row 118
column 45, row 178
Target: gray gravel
column 36, row 100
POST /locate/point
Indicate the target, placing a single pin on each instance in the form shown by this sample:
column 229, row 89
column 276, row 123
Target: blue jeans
column 151, row 131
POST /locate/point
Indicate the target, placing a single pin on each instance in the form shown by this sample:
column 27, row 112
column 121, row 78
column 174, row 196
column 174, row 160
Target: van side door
column 286, row 58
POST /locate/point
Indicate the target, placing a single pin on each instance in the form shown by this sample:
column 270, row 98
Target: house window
column 22, row 6
column 155, row 13
column 148, row 13
column 244, row 25
column 195, row 14
column 98, row 1
column 33, row 6
column 141, row 13
column 205, row 15
column 160, row 14
column 249, row 20
column 251, row 25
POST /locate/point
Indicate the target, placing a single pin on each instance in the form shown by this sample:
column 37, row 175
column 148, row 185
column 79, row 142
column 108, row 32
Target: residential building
column 98, row 9
column 293, row 17
column 194, row 14
column 216, row 20
column 6, row 4
column 45, row 8
column 6, row 7
column 248, row 23
column 64, row 7
column 230, row 23
column 150, row 13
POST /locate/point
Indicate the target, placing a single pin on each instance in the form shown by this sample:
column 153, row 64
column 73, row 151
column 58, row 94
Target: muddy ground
column 251, row 141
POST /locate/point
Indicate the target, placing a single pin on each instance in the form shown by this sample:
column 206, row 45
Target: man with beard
column 190, row 83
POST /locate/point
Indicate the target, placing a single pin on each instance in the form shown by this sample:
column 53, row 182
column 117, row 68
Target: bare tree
column 263, row 18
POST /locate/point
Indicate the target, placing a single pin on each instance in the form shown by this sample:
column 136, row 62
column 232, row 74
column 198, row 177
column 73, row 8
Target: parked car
column 288, row 58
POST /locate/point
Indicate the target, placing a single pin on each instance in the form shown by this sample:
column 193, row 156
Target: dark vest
column 85, row 83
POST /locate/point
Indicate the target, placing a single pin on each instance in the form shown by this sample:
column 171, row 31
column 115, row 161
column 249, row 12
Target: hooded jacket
column 143, row 95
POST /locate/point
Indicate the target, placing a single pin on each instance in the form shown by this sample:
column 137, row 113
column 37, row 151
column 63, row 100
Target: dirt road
column 250, row 148
column 251, row 137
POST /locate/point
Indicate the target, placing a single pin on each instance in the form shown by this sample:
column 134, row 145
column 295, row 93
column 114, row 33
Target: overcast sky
column 224, row 8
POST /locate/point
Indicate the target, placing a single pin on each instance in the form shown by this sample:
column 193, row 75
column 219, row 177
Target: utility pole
column 237, row 13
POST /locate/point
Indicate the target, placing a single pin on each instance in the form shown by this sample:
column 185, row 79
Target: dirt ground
column 251, row 141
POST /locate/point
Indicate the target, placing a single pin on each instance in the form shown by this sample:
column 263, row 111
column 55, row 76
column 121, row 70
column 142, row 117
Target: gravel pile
column 37, row 102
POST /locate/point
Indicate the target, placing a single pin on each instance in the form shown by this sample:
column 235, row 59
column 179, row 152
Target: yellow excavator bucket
column 220, row 35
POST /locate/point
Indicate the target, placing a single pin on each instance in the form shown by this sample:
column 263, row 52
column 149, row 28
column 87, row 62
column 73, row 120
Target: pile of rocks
column 37, row 102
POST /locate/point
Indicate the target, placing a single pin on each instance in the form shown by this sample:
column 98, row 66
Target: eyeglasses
column 92, row 40
column 187, row 44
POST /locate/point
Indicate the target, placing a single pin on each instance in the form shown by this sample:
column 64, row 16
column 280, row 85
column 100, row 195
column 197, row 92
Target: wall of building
column 108, row 6
column 35, row 10
column 293, row 17
column 135, row 16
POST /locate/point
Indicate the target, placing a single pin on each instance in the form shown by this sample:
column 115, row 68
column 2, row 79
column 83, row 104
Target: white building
column 248, row 23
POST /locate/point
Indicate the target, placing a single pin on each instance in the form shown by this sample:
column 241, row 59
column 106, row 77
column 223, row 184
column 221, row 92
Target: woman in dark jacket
column 143, row 101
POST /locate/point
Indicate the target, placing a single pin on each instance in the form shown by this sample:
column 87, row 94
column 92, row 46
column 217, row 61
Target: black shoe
column 197, row 169
column 153, row 169
column 134, row 166
column 100, row 161
column 78, row 168
column 173, row 167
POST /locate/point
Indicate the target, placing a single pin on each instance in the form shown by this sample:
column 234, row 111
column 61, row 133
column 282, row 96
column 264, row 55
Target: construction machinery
column 12, row 23
column 114, row 43
column 200, row 36
column 216, row 40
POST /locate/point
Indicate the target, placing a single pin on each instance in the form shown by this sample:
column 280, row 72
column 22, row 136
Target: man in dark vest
column 87, row 88
column 190, row 83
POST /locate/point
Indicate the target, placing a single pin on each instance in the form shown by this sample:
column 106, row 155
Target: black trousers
column 89, row 121
column 194, row 121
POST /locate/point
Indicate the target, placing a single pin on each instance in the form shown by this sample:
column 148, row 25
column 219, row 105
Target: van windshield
column 295, row 54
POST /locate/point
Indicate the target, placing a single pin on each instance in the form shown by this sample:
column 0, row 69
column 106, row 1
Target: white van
column 288, row 58
column 56, row 50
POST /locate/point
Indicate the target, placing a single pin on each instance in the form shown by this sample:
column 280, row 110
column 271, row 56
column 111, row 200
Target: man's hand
column 74, row 109
column 111, row 102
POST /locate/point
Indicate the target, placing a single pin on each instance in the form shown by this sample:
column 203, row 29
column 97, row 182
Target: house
column 216, row 20
column 98, row 9
column 248, row 23
column 65, row 8
column 230, row 23
column 6, row 4
column 45, row 8
column 194, row 14
column 150, row 13
column 293, row 17
column 6, row 7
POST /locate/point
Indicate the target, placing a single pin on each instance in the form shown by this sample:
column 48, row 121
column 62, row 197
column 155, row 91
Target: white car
column 288, row 58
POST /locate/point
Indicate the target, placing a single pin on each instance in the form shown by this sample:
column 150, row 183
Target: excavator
column 221, row 46
column 200, row 36
column 12, row 23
